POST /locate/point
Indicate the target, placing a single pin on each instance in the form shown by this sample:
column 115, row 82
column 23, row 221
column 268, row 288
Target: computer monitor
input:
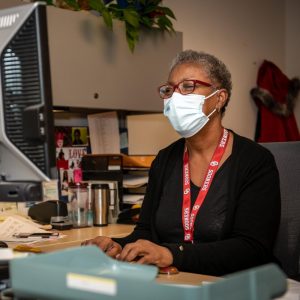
column 27, row 147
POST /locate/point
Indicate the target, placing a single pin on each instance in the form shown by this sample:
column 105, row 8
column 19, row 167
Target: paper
column 104, row 133
column 15, row 225
column 134, row 181
column 293, row 291
column 149, row 133
column 50, row 190
column 133, row 198
column 7, row 254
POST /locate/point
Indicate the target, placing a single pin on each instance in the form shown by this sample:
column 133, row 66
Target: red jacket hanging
column 275, row 98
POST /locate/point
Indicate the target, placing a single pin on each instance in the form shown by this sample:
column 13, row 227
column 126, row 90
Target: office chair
column 287, row 247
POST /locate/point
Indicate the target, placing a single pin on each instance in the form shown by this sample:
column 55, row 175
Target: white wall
column 292, row 42
column 242, row 34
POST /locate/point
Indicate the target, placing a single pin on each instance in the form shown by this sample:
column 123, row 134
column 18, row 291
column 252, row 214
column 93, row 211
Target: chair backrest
column 287, row 247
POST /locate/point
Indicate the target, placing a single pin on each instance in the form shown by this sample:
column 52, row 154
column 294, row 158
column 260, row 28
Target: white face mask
column 185, row 113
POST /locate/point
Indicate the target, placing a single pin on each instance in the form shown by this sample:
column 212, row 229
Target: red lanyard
column 188, row 218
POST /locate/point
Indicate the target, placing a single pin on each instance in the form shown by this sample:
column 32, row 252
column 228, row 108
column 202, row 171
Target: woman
column 77, row 137
column 213, row 202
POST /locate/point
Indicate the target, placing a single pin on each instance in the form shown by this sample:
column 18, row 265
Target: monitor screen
column 27, row 147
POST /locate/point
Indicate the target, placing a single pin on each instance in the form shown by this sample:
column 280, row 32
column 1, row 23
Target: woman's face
column 59, row 143
column 190, row 71
column 77, row 134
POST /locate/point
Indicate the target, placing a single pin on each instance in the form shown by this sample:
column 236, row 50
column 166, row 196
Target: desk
column 74, row 237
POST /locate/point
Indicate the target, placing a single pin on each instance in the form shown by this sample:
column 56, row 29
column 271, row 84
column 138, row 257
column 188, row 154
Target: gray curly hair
column 215, row 69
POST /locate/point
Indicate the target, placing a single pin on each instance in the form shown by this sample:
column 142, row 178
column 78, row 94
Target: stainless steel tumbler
column 101, row 200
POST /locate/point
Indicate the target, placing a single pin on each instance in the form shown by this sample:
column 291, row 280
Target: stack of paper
column 15, row 225
column 134, row 182
column 133, row 198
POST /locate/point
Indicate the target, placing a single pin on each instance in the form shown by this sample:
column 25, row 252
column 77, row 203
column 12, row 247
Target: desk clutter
column 18, row 229
column 127, row 177
column 93, row 153
column 111, row 190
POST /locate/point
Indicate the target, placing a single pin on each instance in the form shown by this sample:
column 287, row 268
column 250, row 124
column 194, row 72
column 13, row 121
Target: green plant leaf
column 165, row 24
column 114, row 7
column 132, row 36
column 168, row 12
column 132, row 32
column 146, row 21
column 138, row 12
column 154, row 2
column 107, row 19
column 73, row 4
column 130, row 42
column 149, row 8
column 49, row 2
column 99, row 6
column 116, row 12
column 131, row 17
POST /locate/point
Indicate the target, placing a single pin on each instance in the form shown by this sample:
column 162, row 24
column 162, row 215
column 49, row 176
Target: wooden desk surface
column 186, row 278
column 74, row 237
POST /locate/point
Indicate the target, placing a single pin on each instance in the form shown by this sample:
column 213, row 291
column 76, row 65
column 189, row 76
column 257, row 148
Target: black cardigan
column 252, row 219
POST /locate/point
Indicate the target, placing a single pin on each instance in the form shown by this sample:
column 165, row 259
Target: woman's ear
column 222, row 99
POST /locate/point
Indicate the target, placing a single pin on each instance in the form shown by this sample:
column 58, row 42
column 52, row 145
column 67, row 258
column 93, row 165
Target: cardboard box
column 138, row 161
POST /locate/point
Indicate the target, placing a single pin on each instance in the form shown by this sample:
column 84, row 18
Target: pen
column 36, row 234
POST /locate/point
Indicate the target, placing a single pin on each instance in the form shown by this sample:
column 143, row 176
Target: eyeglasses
column 184, row 87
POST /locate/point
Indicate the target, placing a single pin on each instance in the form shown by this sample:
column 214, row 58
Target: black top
column 252, row 216
column 211, row 216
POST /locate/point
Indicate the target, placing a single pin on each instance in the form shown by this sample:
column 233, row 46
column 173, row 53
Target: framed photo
column 63, row 136
column 79, row 136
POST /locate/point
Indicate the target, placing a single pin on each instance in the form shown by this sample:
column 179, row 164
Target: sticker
column 114, row 167
column 92, row 284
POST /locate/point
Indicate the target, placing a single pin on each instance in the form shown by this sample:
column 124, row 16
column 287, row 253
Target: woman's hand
column 106, row 244
column 146, row 252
